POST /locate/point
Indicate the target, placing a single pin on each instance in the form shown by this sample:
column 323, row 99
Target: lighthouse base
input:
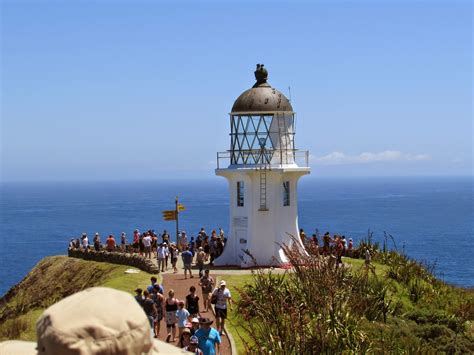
column 256, row 235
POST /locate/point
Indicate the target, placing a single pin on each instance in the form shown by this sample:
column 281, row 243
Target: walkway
column 181, row 289
column 181, row 286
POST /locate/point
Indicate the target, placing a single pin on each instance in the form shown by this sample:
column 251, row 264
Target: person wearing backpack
column 219, row 298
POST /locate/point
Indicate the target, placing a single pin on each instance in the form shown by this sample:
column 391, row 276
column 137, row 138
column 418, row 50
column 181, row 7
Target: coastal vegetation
column 52, row 279
column 393, row 305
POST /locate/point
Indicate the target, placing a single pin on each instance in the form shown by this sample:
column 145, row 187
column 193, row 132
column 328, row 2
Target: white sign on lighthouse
column 263, row 173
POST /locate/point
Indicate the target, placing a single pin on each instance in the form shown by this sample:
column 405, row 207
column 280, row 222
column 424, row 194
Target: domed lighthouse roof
column 261, row 98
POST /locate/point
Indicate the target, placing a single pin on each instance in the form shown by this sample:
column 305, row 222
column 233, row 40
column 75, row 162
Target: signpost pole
column 177, row 222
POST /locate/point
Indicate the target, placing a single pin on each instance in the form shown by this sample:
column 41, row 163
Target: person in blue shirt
column 187, row 257
column 154, row 282
column 209, row 338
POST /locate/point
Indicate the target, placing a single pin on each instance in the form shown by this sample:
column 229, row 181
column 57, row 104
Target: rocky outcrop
column 133, row 260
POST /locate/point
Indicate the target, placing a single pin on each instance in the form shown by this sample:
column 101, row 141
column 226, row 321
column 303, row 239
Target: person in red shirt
column 110, row 243
column 136, row 240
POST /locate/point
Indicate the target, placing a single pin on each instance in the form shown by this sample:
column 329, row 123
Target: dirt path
column 181, row 288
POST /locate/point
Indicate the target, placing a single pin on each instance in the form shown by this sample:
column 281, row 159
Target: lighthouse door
column 240, row 228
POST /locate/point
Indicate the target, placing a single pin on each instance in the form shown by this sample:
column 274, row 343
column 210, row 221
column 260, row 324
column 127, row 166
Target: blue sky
column 113, row 90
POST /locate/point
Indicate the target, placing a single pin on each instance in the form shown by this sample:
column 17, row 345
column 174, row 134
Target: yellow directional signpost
column 172, row 215
column 169, row 215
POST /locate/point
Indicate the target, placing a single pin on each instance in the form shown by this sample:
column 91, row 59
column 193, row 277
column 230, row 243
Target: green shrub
column 13, row 328
column 317, row 307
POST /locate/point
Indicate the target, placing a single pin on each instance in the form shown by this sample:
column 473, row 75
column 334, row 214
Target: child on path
column 193, row 346
column 182, row 314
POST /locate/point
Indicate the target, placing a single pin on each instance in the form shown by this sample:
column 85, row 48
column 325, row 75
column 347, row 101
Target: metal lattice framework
column 262, row 139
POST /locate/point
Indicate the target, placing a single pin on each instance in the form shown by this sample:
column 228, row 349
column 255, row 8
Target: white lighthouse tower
column 263, row 173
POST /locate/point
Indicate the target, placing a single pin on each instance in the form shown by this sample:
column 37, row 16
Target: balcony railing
column 298, row 157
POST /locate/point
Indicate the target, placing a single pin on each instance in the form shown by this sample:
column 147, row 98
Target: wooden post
column 177, row 223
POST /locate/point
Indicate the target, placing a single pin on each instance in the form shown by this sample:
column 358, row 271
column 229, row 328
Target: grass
column 234, row 322
column 52, row 279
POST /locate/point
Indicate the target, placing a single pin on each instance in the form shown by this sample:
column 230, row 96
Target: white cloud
column 336, row 158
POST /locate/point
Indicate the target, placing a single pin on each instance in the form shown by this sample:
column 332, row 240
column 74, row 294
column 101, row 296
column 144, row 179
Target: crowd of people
column 150, row 244
column 184, row 316
column 336, row 245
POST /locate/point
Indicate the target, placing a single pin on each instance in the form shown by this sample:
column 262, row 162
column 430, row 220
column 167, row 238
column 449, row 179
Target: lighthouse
column 262, row 168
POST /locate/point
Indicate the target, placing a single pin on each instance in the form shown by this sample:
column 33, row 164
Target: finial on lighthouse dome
column 261, row 98
column 261, row 75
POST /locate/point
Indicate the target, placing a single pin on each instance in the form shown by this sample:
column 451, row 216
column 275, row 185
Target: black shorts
column 221, row 313
column 171, row 325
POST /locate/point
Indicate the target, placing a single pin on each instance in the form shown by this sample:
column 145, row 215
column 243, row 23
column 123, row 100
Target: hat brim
column 209, row 322
column 18, row 347
column 160, row 347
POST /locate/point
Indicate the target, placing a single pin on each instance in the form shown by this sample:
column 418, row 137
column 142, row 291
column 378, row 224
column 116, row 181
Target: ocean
column 430, row 218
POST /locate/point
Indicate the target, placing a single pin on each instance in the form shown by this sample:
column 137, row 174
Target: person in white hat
column 98, row 320
column 194, row 325
column 85, row 242
column 222, row 296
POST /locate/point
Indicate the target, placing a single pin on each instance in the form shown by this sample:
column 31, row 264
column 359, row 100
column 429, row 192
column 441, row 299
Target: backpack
column 214, row 297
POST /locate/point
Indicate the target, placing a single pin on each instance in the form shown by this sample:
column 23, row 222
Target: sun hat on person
column 97, row 320
column 222, row 283
column 195, row 320
column 205, row 321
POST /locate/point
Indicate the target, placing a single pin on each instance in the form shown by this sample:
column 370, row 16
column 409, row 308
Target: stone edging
column 133, row 260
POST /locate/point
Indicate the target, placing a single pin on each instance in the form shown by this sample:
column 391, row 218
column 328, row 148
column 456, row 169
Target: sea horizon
column 211, row 177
